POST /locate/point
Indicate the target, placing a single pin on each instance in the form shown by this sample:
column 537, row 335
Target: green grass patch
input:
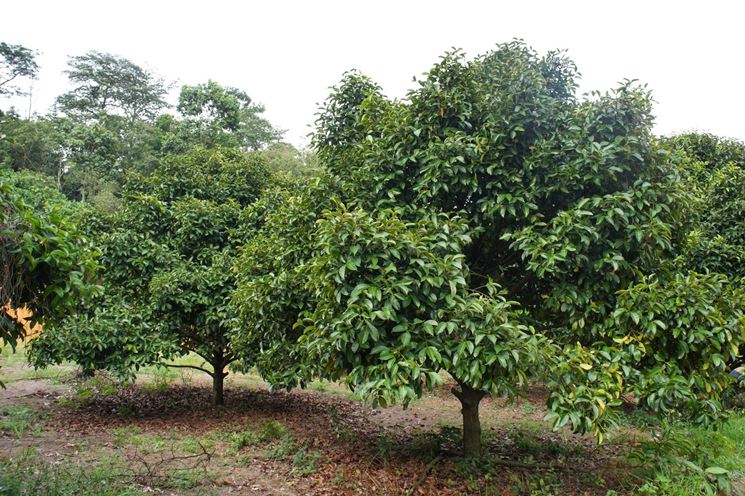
column 305, row 461
column 281, row 449
column 133, row 436
column 14, row 367
column 28, row 475
column 267, row 433
column 20, row 420
column 688, row 460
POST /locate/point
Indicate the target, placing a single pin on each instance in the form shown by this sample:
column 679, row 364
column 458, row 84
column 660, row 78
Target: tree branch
column 173, row 365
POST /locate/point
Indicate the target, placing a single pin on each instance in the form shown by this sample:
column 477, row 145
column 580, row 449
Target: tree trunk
column 218, row 379
column 469, row 401
column 219, row 362
column 60, row 170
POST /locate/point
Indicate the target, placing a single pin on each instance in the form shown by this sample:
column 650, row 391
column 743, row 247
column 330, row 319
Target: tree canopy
column 493, row 225
column 16, row 61
column 216, row 115
column 107, row 85
column 166, row 258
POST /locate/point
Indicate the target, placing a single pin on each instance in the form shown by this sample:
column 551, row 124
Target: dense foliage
column 490, row 215
column 47, row 264
column 714, row 170
column 491, row 226
column 166, row 258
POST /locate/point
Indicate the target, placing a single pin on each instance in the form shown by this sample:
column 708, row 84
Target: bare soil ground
column 326, row 443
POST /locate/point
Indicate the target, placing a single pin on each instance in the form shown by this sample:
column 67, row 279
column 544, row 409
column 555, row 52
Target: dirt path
column 38, row 393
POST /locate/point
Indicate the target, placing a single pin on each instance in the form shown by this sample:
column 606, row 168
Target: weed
column 527, row 407
column 343, row 433
column 193, row 445
column 19, row 419
column 271, row 430
column 239, row 440
column 146, row 443
column 28, row 475
column 281, row 449
column 536, row 484
column 88, row 390
column 53, row 373
column 541, row 447
column 124, row 436
column 305, row 462
column 687, row 460
column 640, row 419
column 185, row 478
column 125, row 411
column 319, row 386
column 162, row 378
column 186, row 377
column 384, row 445
column 340, row 479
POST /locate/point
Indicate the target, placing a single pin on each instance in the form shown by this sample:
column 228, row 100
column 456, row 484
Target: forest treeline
column 492, row 226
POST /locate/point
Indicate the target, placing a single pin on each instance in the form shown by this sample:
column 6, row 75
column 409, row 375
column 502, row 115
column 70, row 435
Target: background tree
column 166, row 256
column 220, row 116
column 286, row 159
column 106, row 85
column 713, row 170
column 16, row 61
column 106, row 122
column 34, row 145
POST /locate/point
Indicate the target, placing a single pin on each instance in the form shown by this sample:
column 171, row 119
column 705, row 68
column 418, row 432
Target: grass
column 692, row 461
column 133, row 436
column 279, row 445
column 18, row 420
column 281, row 449
column 268, row 433
column 10, row 357
column 29, row 475
column 14, row 367
column 305, row 461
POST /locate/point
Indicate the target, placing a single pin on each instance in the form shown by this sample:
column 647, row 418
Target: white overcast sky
column 285, row 54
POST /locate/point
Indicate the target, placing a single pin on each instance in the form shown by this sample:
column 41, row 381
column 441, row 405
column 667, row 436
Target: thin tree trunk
column 469, row 401
column 218, row 381
column 218, row 377
column 60, row 170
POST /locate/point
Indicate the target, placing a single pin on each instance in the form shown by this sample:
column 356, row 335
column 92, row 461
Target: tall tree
column 106, row 122
column 34, row 145
column 493, row 220
column 16, row 61
column 215, row 115
column 286, row 159
column 108, row 85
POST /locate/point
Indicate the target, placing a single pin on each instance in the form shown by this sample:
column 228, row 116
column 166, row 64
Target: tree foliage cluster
column 116, row 119
column 47, row 263
column 492, row 226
